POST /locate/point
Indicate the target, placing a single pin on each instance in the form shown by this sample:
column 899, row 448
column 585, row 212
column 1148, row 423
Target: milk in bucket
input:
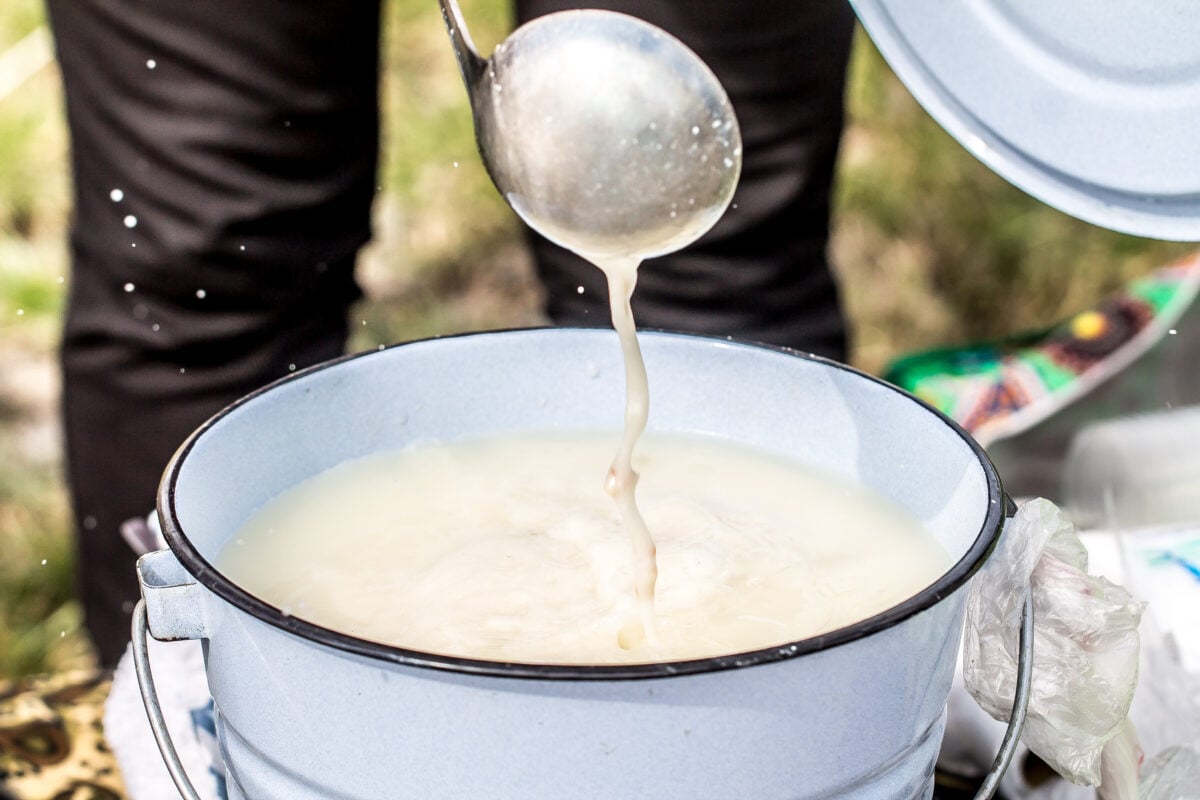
column 508, row 549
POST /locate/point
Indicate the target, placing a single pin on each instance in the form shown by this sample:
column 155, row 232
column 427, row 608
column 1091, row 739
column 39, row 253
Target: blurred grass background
column 932, row 249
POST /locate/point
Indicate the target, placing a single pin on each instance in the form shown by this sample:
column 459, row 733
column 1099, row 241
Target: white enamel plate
column 1092, row 107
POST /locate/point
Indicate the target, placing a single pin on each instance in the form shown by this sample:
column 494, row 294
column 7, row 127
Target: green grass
column 932, row 249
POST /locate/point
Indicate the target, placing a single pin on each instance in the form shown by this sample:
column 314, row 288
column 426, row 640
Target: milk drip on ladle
column 611, row 138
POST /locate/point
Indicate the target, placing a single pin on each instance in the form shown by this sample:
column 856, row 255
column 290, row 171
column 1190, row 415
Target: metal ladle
column 605, row 134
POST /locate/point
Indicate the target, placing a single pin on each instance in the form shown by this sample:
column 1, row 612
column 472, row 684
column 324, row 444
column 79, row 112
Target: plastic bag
column 1085, row 650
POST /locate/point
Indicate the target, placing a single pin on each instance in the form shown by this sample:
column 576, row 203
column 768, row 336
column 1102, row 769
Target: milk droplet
column 593, row 369
column 116, row 195
column 154, row 327
column 291, row 367
column 380, row 347
column 151, row 63
column 242, row 248
column 182, row 370
column 287, row 123
column 129, row 287
column 201, row 294
column 89, row 522
column 716, row 123
column 130, row 221
column 1172, row 331
column 43, row 562
column 695, row 130
column 60, row 279
column 456, row 165
column 578, row 290
column 729, row 162
column 20, row 312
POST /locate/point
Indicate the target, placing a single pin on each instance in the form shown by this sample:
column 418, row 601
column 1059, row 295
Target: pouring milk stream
column 611, row 138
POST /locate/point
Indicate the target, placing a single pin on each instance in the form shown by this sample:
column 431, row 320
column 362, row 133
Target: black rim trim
column 998, row 508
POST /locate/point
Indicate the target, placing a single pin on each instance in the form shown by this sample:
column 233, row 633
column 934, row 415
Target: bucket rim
column 999, row 508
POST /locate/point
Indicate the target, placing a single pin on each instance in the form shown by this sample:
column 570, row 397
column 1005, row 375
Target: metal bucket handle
column 158, row 724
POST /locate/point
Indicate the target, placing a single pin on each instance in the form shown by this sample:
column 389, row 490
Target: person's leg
column 224, row 161
column 762, row 272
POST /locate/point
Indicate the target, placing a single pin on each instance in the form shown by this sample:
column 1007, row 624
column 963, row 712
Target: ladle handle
column 1016, row 720
column 470, row 63
column 158, row 724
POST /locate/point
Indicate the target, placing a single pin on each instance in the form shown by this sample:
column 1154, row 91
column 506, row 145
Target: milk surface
column 511, row 549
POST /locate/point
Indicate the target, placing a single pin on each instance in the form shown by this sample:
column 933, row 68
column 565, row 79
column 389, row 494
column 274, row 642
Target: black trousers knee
column 224, row 162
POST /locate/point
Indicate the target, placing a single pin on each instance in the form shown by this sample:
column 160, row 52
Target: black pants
column 224, row 157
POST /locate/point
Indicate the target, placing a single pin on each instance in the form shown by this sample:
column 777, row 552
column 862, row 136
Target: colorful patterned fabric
column 997, row 389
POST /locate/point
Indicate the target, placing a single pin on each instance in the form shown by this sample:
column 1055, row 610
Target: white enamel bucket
column 303, row 711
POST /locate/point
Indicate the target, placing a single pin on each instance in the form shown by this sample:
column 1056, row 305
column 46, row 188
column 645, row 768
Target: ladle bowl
column 604, row 133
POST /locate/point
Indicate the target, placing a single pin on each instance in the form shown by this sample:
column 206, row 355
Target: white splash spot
column 129, row 287
column 201, row 294
column 291, row 367
column 130, row 221
column 90, row 523
column 43, row 562
column 242, row 248
column 151, row 63
column 1172, row 331
column 695, row 130
column 182, row 370
column 155, row 327
column 20, row 312
column 456, row 165
column 60, row 279
column 116, row 195
column 287, row 123
column 578, row 290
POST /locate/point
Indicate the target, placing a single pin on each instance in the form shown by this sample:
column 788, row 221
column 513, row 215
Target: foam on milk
column 509, row 549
